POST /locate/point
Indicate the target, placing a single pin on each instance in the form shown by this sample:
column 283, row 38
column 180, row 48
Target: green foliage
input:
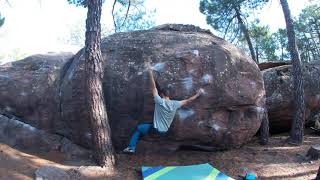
column 264, row 42
column 1, row 20
column 274, row 46
column 138, row 17
column 221, row 14
column 78, row 2
column 229, row 18
column 308, row 33
column 282, row 41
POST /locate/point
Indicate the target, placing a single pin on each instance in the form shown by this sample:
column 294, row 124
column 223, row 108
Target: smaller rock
column 74, row 174
column 314, row 152
column 272, row 64
column 278, row 83
column 73, row 150
column 24, row 136
column 89, row 171
column 50, row 173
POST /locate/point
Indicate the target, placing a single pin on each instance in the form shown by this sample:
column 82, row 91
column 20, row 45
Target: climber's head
column 164, row 93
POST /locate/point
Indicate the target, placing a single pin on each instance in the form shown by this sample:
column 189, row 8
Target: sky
column 37, row 26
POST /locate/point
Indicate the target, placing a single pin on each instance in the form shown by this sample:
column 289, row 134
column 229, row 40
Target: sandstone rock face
column 279, row 90
column 47, row 91
column 29, row 88
column 184, row 59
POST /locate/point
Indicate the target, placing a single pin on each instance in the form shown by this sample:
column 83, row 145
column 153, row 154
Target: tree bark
column 318, row 33
column 311, row 46
column 297, row 129
column 100, row 129
column 317, row 28
column 246, row 34
column 315, row 46
column 257, row 55
column 264, row 129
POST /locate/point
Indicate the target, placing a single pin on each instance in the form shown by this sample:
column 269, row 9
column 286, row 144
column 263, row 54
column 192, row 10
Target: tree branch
column 113, row 15
column 236, row 35
column 125, row 18
column 112, row 12
column 225, row 32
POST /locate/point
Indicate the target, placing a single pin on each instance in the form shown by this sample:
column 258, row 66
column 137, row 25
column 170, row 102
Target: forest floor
column 277, row 160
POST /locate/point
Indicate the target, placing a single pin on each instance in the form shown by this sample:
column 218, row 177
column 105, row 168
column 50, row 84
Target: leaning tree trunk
column 99, row 124
column 257, row 53
column 264, row 128
column 282, row 54
column 317, row 28
column 296, row 133
column 246, row 34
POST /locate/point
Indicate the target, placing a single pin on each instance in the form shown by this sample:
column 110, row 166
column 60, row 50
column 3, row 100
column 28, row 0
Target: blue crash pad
column 192, row 172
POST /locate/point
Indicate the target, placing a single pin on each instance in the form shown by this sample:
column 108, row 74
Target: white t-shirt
column 164, row 112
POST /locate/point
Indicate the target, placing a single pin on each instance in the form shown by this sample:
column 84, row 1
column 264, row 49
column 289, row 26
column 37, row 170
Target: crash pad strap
column 158, row 173
column 213, row 174
column 151, row 170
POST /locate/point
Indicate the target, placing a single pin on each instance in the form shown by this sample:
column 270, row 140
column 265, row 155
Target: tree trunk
column 257, row 55
column 311, row 48
column 264, row 129
column 315, row 46
column 297, row 129
column 281, row 53
column 99, row 124
column 307, row 51
column 246, row 34
column 318, row 33
column 317, row 28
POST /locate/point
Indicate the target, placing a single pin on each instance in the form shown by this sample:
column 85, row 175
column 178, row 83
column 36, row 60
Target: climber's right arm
column 152, row 82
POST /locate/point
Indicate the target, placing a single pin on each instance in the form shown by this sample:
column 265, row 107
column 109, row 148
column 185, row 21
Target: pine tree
column 297, row 129
column 97, row 113
column 229, row 16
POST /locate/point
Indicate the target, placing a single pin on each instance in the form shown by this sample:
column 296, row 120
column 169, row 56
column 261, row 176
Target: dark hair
column 162, row 91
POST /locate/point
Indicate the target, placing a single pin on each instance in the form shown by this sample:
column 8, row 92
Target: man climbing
column 164, row 112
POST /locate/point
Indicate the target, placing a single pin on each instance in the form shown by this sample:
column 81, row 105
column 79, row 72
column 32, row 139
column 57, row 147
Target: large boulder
column 29, row 89
column 185, row 58
column 47, row 91
column 280, row 98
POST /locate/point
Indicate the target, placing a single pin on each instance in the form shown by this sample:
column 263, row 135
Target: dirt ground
column 277, row 160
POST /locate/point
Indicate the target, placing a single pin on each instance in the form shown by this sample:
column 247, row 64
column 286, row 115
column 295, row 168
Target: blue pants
column 141, row 130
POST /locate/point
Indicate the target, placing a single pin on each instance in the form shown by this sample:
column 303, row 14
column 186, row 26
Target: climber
column 164, row 112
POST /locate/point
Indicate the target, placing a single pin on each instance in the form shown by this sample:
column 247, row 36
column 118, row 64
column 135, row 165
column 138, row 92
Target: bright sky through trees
column 37, row 26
